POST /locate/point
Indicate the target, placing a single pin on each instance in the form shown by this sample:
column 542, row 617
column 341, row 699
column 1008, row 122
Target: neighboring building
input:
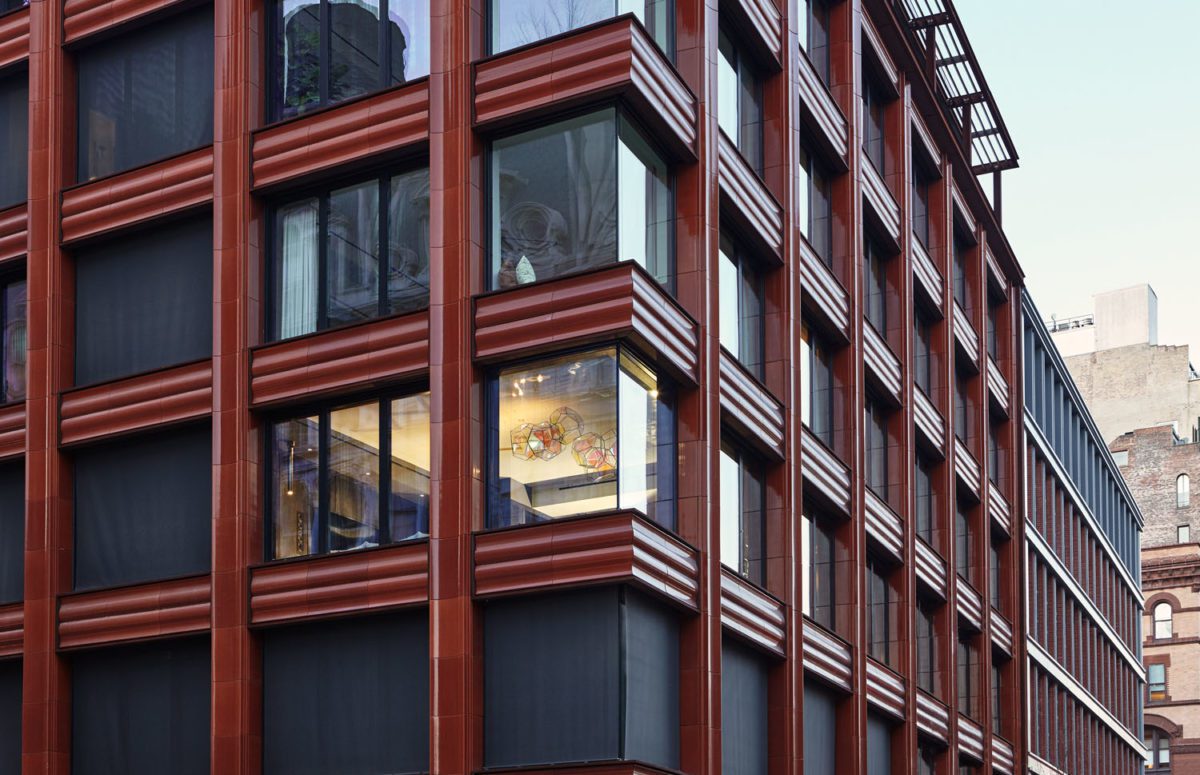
column 1128, row 379
column 1160, row 469
column 515, row 386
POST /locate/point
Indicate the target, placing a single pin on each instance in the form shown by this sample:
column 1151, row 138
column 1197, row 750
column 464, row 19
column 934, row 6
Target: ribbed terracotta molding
column 881, row 202
column 929, row 280
column 13, row 232
column 177, row 184
column 825, row 473
column 931, row 568
column 621, row 301
column 376, row 353
column 970, row 738
column 14, row 37
column 1002, row 755
column 999, row 509
column 885, row 690
column 87, row 17
column 882, row 364
column 752, row 613
column 621, row 547
column 613, row 59
column 139, row 403
column 884, row 526
column 822, row 113
column 923, row 138
column 871, row 37
column 997, row 386
column 1002, row 632
column 746, row 200
column 970, row 606
column 965, row 336
column 12, row 430
column 821, row 293
column 932, row 717
column 374, row 579
column 761, row 25
column 966, row 467
column 384, row 123
column 12, row 629
column 134, row 613
column 928, row 422
column 827, row 656
column 750, row 409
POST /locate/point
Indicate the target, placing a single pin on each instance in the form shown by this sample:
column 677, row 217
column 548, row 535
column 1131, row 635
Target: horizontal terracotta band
column 12, row 430
column 138, row 403
column 750, row 408
column 12, row 629
column 752, row 613
column 14, row 235
column 134, row 613
column 747, row 202
column 88, row 17
column 14, row 37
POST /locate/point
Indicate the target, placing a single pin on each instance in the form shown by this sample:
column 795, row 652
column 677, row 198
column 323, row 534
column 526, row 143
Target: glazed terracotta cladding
column 821, row 676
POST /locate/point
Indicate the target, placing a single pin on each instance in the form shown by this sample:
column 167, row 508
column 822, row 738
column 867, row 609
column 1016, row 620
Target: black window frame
column 964, row 410
column 968, row 682
column 923, row 356
column 961, row 246
column 8, row 280
column 964, row 541
column 997, row 695
column 820, row 381
column 925, row 504
column 922, row 185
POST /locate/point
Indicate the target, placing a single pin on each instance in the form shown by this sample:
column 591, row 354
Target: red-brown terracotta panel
column 883, row 367
column 970, row 606
column 750, row 408
column 14, row 37
column 822, row 113
column 13, row 232
column 752, row 613
column 340, row 584
column 592, row 769
column 610, row 60
column 1003, row 760
column 824, row 473
column 882, row 207
column 970, row 738
column 375, row 353
column 932, row 717
column 618, row 302
column 621, row 547
column 12, row 629
column 997, row 386
column 382, row 124
column 177, row 184
column 928, row 422
column 761, row 25
column 929, row 280
column 12, row 430
column 827, row 655
column 87, row 17
column 138, row 403
column 885, row 689
column 747, row 202
column 821, row 293
column 134, row 613
column 931, row 568
column 884, row 526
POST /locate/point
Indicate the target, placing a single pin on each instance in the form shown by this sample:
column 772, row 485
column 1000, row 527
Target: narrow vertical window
column 877, row 448
column 743, row 529
column 15, row 344
column 816, row 385
column 927, row 648
column 1183, row 491
column 1156, row 682
column 814, row 36
column 924, row 502
column 964, row 414
column 14, row 140
column 964, row 543
column 997, row 698
column 875, row 287
column 741, row 307
column 922, row 352
column 819, row 591
column 873, row 101
column 1183, row 534
column 922, row 183
column 816, row 219
column 968, row 681
column 879, row 614
column 961, row 246
column 1163, row 621
column 739, row 100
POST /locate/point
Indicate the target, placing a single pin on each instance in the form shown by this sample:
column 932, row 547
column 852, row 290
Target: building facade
column 453, row 385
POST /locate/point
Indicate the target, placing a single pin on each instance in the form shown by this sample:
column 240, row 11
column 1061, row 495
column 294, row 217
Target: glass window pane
column 295, row 497
column 753, row 529
column 638, row 434
column 408, row 27
column 16, row 341
column 298, row 57
column 14, row 140
column 353, row 48
column 749, row 136
column 354, row 477
column 296, row 269
column 409, row 504
column 644, row 205
column 731, row 511
column 518, row 22
column 806, row 376
column 727, row 87
column 408, row 242
column 352, row 254
column 727, row 303
column 750, row 322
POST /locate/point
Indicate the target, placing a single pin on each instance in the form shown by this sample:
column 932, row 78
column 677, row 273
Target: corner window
column 740, row 305
column 519, row 22
column 819, row 579
column 816, row 217
column 964, row 542
column 1156, row 682
column 14, row 140
column 1163, row 621
column 146, row 95
column 927, row 648
column 350, row 478
column 925, row 504
column 923, row 352
column 578, row 434
column 350, row 254
column 875, row 287
column 816, row 385
column 874, row 102
column 814, row 35
column 879, row 612
column 1183, row 491
column 15, row 344
column 576, row 195
column 877, row 448
column 328, row 51
column 743, row 515
column 739, row 100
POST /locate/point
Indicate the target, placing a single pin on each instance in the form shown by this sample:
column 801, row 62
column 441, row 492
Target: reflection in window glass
column 740, row 308
column 923, row 497
column 877, row 448
column 743, row 531
column 875, row 287
column 15, row 345
column 576, row 195
column 817, row 549
column 879, row 612
column 518, row 22
column 352, row 254
column 816, row 385
column 739, row 101
column 927, row 648
column 328, row 489
column 14, row 140
column 328, row 51
column 580, row 434
column 816, row 221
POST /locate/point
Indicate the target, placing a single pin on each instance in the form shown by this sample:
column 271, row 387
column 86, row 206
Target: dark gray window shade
column 12, row 533
column 143, row 509
column 146, row 95
column 581, row 676
column 14, row 140
column 10, row 718
column 743, row 710
column 347, row 697
column 141, row 710
column 144, row 302
column 879, row 745
column 820, row 730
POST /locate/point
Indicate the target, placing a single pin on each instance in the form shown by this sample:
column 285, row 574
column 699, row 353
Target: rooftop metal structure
column 935, row 30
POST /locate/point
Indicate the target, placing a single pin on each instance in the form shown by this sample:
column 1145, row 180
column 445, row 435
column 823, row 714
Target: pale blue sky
column 1102, row 101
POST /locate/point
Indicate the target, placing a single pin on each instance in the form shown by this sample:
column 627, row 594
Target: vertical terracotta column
column 46, row 712
column 237, row 524
column 455, row 167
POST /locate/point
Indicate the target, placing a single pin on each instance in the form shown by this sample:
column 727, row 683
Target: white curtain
column 298, row 269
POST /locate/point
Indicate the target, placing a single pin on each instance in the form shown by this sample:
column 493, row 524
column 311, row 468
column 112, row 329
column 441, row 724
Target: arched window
column 1183, row 491
column 1158, row 750
column 1162, row 621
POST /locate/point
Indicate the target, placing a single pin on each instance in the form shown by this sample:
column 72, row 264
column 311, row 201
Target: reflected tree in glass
column 519, row 22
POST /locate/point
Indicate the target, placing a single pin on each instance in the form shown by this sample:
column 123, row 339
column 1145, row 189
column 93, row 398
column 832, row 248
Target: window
column 879, row 744
column 143, row 508
column 874, row 102
column 927, row 758
column 1156, row 682
column 814, row 35
column 968, row 682
column 924, row 502
column 879, row 613
column 997, row 698
column 1183, row 534
column 142, row 710
column 817, row 547
column 964, row 414
column 993, row 449
column 1183, row 491
column 381, row 725
column 1163, row 621
column 10, row 714
column 577, row 434
column 922, row 183
column 739, row 100
column 144, row 302
column 351, row 254
column 964, row 543
column 877, row 448
column 816, row 385
column 14, row 140
column 14, row 346
column 816, row 218
column 12, row 528
column 993, row 331
column 1158, row 750
column 744, row 697
column 741, row 307
column 994, row 575
column 875, row 287
column 923, row 352
column 327, row 51
column 1121, row 458
column 519, row 22
column 146, row 95
column 928, row 674
column 329, row 492
column 821, row 736
column 961, row 247
column 743, row 532
column 576, row 195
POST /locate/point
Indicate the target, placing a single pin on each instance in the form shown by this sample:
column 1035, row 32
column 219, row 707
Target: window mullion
column 323, row 482
column 384, row 250
column 325, row 55
column 322, row 262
